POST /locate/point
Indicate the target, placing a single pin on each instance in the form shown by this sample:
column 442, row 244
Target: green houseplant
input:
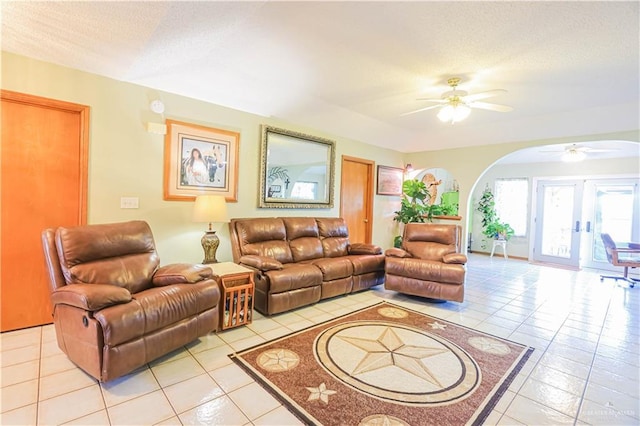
column 412, row 206
column 492, row 226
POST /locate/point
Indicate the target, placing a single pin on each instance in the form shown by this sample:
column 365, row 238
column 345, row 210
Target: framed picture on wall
column 200, row 160
column 389, row 180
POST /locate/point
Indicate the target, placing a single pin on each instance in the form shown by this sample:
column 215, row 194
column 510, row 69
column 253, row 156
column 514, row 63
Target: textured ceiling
column 353, row 68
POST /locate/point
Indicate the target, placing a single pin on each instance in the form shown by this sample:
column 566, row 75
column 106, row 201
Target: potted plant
column 412, row 205
column 499, row 230
column 492, row 226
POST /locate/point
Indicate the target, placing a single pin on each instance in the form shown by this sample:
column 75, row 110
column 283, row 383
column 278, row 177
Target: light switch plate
column 128, row 202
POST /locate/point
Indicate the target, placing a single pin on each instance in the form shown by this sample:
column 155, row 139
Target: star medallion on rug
column 386, row 365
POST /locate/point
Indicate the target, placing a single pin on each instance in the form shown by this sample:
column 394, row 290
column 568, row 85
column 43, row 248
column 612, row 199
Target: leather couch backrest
column 430, row 241
column 121, row 254
column 304, row 238
column 289, row 239
column 263, row 237
column 334, row 235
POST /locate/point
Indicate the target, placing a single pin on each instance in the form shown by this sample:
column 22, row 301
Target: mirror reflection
column 296, row 170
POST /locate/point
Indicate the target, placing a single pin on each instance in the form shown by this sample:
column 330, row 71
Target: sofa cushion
column 264, row 237
column 429, row 251
column 299, row 227
column 334, row 268
column 156, row 308
column 425, row 270
column 364, row 264
column 121, row 254
column 306, row 248
column 334, row 235
column 294, row 276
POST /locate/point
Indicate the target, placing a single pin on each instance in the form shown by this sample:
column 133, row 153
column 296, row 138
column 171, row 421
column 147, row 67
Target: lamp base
column 210, row 243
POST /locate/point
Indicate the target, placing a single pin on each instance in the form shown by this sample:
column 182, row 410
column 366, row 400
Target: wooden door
column 44, row 184
column 356, row 198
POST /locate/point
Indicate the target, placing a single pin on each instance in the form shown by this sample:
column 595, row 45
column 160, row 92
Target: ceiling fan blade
column 440, row 101
column 484, row 95
column 420, row 110
column 490, row 107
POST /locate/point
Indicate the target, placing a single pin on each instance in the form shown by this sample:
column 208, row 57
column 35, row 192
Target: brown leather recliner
column 429, row 264
column 114, row 308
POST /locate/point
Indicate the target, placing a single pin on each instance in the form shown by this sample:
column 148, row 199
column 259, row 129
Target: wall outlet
column 128, row 202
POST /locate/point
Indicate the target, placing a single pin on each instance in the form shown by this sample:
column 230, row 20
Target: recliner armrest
column 181, row 273
column 90, row 297
column 262, row 263
column 361, row 248
column 457, row 258
column 396, row 252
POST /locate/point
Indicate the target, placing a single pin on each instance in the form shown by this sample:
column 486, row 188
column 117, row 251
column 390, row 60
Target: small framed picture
column 390, row 180
column 200, row 160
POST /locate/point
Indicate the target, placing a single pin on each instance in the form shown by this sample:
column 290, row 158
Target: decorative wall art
column 200, row 160
column 390, row 180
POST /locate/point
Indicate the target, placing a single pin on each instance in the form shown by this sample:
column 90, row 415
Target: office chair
column 627, row 257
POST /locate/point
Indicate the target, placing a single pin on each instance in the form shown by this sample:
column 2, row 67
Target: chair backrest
column 121, row 254
column 609, row 246
column 52, row 261
column 431, row 241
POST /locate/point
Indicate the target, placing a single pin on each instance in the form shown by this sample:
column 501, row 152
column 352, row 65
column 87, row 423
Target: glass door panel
column 612, row 207
column 558, row 222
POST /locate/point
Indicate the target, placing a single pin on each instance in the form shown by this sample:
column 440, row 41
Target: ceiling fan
column 456, row 104
column 574, row 152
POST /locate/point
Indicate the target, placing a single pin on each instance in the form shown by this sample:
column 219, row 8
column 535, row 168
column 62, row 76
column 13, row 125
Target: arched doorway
column 584, row 193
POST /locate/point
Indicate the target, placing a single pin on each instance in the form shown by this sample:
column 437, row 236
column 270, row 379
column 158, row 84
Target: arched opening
column 568, row 203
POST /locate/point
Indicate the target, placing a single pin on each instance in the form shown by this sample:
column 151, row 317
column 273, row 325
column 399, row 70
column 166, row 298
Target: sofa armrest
column 396, row 252
column 262, row 263
column 457, row 258
column 181, row 273
column 361, row 248
column 90, row 297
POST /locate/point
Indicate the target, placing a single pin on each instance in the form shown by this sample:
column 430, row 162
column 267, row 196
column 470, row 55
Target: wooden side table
column 236, row 294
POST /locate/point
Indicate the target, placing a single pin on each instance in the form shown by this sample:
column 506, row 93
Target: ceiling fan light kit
column 456, row 104
column 454, row 113
column 573, row 156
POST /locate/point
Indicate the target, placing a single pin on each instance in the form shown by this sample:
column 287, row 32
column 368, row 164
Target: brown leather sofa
column 114, row 308
column 301, row 260
column 429, row 264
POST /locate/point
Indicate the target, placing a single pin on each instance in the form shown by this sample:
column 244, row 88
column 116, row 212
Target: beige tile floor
column 584, row 369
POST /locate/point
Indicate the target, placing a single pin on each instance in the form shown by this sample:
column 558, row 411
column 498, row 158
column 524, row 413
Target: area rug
column 386, row 365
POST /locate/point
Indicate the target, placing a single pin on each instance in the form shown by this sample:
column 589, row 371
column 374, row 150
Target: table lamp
column 208, row 209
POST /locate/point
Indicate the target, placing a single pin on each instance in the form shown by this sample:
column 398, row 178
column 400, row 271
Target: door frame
column 369, row 192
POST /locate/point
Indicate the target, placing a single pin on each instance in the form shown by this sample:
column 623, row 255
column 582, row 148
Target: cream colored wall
column 127, row 161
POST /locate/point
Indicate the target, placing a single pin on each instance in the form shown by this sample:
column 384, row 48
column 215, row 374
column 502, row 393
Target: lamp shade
column 210, row 208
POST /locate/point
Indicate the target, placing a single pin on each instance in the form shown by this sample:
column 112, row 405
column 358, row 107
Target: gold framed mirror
column 296, row 170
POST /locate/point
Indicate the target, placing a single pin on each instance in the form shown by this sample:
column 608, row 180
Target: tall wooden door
column 44, row 184
column 356, row 198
